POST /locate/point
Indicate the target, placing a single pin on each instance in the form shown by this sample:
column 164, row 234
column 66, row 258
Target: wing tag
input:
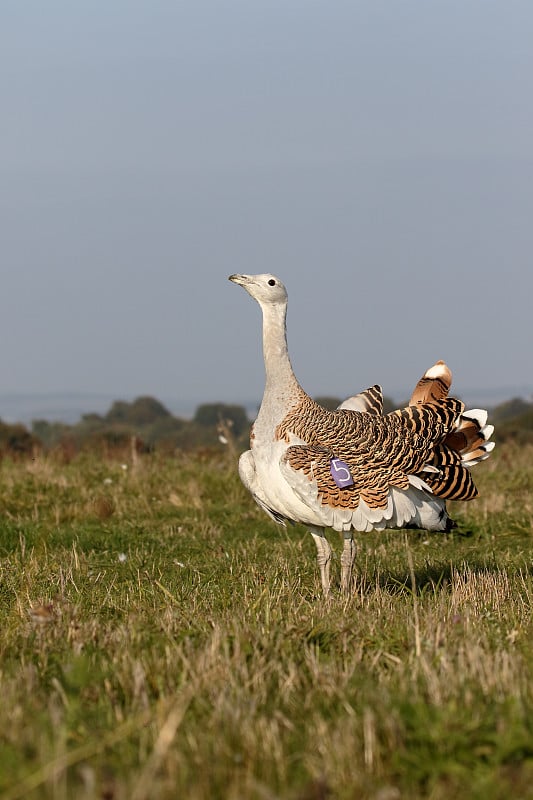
column 340, row 473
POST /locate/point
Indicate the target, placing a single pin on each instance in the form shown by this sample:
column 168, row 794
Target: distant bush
column 511, row 409
column 389, row 404
column 513, row 420
column 142, row 411
column 117, row 413
column 167, row 430
column 16, row 440
column 50, row 434
column 210, row 414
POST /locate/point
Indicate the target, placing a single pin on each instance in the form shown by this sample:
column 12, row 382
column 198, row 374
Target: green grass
column 185, row 650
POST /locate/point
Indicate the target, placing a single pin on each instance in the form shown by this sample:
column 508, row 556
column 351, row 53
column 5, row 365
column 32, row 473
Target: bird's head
column 266, row 289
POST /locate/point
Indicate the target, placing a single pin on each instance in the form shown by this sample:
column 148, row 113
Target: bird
column 355, row 468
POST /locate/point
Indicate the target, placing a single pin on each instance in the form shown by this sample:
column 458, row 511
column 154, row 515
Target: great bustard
column 353, row 468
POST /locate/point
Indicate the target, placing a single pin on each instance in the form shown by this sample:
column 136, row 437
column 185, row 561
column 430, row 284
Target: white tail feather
column 487, row 432
column 418, row 483
column 478, row 415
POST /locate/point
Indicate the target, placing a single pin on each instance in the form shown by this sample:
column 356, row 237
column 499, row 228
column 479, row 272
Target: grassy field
column 161, row 638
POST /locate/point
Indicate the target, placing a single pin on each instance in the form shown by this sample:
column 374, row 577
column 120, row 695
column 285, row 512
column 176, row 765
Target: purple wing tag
column 340, row 472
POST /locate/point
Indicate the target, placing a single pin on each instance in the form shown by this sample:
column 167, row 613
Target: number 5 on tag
column 340, row 472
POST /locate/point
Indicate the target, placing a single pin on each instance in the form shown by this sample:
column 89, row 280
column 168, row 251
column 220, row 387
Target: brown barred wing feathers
column 371, row 401
column 465, row 446
column 433, row 386
column 380, row 453
column 452, row 480
column 407, row 448
column 471, row 437
column 432, row 420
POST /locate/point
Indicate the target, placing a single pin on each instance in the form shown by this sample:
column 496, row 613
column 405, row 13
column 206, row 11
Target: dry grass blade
column 166, row 736
column 418, row 648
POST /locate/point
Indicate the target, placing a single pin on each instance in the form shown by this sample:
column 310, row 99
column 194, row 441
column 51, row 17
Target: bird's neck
column 282, row 390
column 278, row 367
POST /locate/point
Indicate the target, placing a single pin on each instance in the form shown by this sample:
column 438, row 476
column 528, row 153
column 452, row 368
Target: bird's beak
column 242, row 280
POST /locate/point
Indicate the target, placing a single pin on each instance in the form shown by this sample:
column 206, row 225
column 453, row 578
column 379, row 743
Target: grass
column 161, row 638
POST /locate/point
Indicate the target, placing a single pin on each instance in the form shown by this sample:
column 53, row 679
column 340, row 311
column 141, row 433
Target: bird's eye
column 272, row 282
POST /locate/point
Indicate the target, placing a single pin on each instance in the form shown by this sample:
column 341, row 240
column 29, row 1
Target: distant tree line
column 150, row 422
column 151, row 426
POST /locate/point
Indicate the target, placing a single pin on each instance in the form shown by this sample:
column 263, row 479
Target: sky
column 377, row 156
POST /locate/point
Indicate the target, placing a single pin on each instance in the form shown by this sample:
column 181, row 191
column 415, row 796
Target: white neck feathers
column 281, row 389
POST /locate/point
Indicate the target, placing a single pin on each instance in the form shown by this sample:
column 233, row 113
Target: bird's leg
column 323, row 556
column 347, row 559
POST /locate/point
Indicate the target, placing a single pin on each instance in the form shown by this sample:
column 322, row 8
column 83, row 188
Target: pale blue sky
column 376, row 156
